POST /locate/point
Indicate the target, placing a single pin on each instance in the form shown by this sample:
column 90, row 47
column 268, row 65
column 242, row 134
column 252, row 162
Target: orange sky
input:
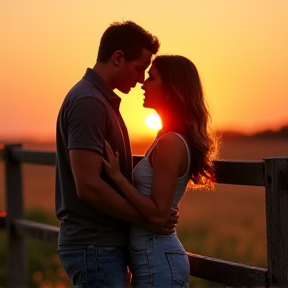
column 239, row 46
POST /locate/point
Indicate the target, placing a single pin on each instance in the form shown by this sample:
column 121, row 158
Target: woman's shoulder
column 172, row 136
column 172, row 140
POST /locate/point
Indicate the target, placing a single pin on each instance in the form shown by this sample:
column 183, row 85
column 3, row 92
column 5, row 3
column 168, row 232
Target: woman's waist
column 138, row 231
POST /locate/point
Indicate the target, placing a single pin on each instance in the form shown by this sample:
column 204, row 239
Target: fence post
column 276, row 191
column 17, row 262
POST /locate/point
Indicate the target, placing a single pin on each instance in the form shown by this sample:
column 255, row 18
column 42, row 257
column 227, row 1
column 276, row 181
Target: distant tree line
column 281, row 133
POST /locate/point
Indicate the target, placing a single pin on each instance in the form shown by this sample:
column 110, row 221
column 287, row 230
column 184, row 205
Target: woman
column 183, row 150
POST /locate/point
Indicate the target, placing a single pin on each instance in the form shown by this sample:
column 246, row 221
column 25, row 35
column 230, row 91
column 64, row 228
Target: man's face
column 133, row 72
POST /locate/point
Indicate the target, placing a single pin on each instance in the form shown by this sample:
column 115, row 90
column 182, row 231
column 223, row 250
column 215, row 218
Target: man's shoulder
column 85, row 88
column 87, row 92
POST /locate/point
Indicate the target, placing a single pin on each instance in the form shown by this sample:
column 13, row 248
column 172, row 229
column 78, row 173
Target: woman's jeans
column 158, row 261
column 93, row 266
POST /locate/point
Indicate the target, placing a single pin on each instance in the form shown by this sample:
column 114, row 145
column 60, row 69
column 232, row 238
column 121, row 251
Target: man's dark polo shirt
column 88, row 116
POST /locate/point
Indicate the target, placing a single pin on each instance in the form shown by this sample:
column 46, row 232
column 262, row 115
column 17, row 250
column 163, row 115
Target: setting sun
column 153, row 121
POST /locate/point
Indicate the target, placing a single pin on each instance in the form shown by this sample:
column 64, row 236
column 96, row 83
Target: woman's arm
column 169, row 157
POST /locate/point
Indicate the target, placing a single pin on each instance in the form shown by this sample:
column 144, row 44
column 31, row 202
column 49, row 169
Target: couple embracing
column 118, row 217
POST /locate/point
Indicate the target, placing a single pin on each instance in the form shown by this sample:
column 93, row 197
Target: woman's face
column 153, row 90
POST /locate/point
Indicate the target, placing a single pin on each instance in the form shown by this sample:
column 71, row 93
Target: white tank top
column 143, row 175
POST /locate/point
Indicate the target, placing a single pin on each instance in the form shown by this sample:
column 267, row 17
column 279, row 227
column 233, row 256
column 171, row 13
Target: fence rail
column 272, row 173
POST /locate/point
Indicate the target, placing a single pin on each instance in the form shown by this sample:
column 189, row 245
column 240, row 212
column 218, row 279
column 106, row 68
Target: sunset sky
column 239, row 47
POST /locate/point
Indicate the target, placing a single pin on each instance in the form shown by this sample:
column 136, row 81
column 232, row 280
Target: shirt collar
column 96, row 79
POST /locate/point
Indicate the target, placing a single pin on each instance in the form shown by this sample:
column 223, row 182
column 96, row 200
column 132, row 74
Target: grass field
column 228, row 223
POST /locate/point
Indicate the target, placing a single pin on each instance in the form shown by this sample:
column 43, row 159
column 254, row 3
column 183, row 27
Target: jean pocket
column 74, row 264
column 138, row 256
column 180, row 269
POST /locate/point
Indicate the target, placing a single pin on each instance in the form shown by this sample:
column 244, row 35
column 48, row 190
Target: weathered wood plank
column 34, row 157
column 43, row 232
column 3, row 215
column 276, row 177
column 240, row 172
column 216, row 270
column 17, row 256
column 227, row 273
column 227, row 171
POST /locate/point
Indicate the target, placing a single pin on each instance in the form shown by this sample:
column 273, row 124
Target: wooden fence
column 272, row 173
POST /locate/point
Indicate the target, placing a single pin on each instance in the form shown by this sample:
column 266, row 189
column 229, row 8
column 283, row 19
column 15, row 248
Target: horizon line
column 224, row 132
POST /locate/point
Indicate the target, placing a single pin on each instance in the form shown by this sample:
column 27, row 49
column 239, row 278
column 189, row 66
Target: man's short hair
column 128, row 37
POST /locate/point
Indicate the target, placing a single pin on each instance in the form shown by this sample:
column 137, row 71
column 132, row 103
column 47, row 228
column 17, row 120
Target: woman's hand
column 112, row 165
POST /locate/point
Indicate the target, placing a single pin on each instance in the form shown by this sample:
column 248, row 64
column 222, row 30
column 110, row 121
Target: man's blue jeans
column 93, row 266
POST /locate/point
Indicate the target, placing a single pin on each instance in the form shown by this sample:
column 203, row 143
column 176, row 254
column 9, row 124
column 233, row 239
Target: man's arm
column 86, row 168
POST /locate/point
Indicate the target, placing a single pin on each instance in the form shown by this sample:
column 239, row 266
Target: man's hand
column 172, row 221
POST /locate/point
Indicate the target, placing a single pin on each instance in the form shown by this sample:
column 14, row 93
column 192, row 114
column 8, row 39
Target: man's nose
column 141, row 78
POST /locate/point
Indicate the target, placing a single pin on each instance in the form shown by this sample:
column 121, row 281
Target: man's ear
column 117, row 58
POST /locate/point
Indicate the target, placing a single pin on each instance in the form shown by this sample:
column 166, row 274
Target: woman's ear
column 117, row 58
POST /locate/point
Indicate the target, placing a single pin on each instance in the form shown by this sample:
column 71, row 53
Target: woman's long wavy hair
column 185, row 112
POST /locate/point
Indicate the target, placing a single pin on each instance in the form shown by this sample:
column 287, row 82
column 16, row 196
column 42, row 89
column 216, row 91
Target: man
column 94, row 215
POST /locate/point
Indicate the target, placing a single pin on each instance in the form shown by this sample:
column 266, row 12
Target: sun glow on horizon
column 153, row 121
